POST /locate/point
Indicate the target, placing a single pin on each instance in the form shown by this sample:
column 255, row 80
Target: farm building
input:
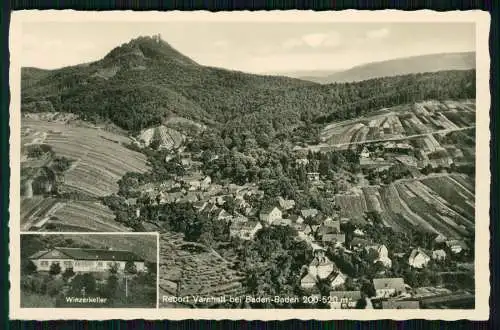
column 270, row 214
column 386, row 287
column 344, row 299
column 86, row 260
column 418, row 258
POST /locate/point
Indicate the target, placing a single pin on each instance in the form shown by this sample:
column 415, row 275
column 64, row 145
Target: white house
column 308, row 281
column 365, row 153
column 386, row 287
column 286, row 204
column 418, row 258
column 86, row 260
column 337, row 280
column 440, row 238
column 269, row 214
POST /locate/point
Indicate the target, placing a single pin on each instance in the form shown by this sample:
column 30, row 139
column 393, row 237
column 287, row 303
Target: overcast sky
column 250, row 47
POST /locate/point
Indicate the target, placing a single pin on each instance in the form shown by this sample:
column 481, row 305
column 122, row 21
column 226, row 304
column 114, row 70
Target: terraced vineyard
column 85, row 216
column 48, row 213
column 437, row 203
column 402, row 121
column 35, row 209
column 100, row 157
column 192, row 269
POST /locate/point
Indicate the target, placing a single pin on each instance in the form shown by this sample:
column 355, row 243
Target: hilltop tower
column 158, row 38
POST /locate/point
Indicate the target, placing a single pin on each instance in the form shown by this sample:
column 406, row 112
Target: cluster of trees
column 273, row 264
column 386, row 176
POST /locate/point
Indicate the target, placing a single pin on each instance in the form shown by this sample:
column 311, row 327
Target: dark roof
column 95, row 254
column 268, row 209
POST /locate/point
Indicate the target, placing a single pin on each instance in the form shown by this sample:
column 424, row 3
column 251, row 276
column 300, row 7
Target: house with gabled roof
column 387, row 287
column 418, row 258
column 223, row 215
column 282, row 222
column 308, row 281
column 456, row 246
column 244, row 230
column 86, row 260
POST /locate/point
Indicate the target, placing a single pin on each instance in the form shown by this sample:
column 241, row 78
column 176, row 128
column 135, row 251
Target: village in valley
column 354, row 254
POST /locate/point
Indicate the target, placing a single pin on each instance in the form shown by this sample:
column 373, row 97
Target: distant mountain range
column 390, row 68
column 146, row 82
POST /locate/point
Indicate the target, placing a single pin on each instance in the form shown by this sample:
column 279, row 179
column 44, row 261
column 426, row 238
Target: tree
column 368, row 289
column 130, row 267
column 55, row 269
column 68, row 273
column 83, row 283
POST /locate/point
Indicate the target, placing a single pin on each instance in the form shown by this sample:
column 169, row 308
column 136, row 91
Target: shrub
column 27, row 267
column 55, row 269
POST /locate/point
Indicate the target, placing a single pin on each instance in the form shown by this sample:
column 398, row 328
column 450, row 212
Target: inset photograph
column 89, row 270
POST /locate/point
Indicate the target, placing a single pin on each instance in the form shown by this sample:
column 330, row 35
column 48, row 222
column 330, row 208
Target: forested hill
column 400, row 66
column 142, row 82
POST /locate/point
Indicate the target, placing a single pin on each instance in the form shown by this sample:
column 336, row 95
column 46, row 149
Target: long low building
column 86, row 260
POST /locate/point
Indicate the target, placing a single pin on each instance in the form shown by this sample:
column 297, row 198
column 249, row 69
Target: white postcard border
column 483, row 177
